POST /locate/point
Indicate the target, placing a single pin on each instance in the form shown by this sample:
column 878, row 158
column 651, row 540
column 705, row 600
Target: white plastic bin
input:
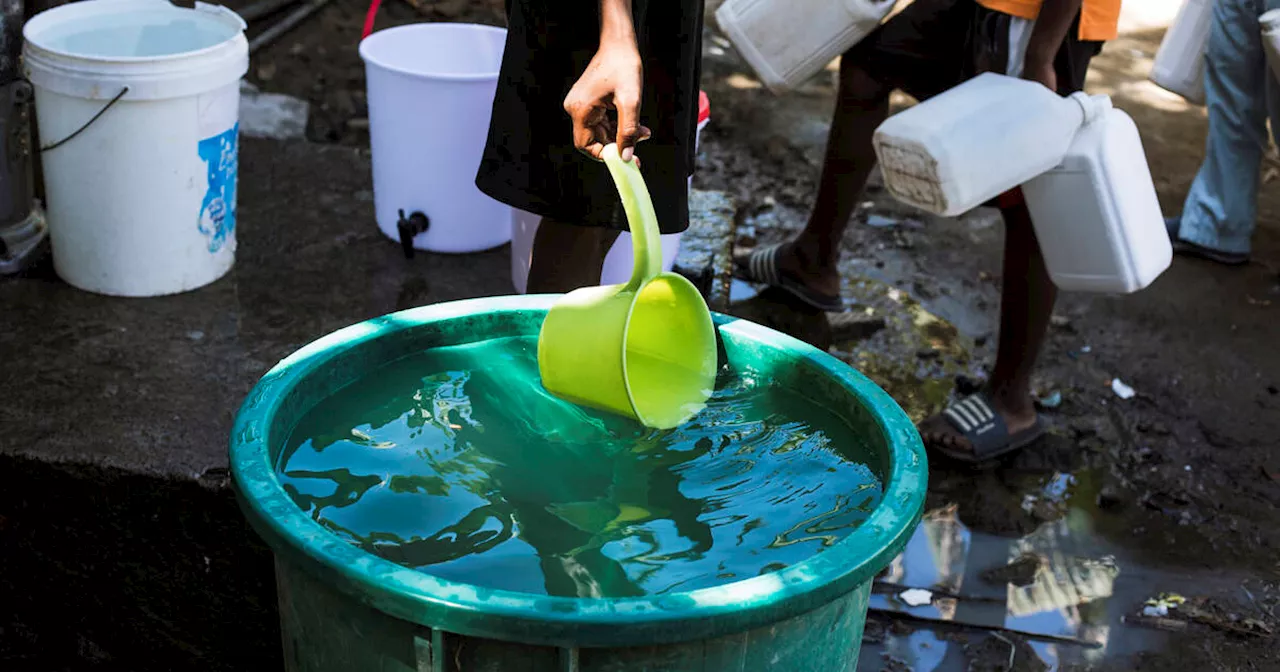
column 958, row 150
column 1179, row 63
column 1096, row 214
column 431, row 89
column 142, row 190
column 788, row 41
column 620, row 260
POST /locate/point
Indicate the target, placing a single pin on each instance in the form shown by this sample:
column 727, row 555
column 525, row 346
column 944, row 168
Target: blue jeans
column 1222, row 207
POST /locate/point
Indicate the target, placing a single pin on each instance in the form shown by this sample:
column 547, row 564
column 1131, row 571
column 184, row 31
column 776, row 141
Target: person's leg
column 567, row 256
column 1221, row 208
column 1026, row 306
column 918, row 51
column 862, row 104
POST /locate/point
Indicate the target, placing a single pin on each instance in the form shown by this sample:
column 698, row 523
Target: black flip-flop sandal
column 761, row 267
column 1188, row 249
column 978, row 422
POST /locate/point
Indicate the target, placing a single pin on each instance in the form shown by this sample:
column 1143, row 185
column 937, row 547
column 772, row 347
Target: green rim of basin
column 412, row 595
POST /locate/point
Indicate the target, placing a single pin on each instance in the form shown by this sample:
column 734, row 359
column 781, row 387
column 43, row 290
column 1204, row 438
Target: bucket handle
column 87, row 124
column 646, row 238
column 369, row 18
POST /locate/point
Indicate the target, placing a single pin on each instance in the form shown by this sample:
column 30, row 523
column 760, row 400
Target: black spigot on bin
column 409, row 227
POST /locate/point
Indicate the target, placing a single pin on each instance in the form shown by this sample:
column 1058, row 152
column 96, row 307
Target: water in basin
column 457, row 463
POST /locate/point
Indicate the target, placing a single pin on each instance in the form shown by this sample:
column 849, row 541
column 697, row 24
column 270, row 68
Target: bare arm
column 612, row 81
column 1046, row 39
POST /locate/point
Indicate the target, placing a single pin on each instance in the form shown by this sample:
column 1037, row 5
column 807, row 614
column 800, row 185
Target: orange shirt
column 1099, row 19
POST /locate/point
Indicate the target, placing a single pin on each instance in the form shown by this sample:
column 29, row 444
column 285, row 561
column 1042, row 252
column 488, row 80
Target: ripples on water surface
column 456, row 462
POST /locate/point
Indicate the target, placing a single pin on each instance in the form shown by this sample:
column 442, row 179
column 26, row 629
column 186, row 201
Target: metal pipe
column 263, row 8
column 286, row 24
column 22, row 227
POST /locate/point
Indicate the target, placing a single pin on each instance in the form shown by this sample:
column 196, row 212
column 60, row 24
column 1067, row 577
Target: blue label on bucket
column 218, row 211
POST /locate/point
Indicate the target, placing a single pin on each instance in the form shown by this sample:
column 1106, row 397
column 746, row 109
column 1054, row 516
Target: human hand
column 604, row 103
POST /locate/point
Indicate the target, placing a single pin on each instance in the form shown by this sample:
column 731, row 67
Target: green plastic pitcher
column 646, row 349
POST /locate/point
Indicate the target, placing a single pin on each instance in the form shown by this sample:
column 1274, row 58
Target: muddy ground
column 1182, row 482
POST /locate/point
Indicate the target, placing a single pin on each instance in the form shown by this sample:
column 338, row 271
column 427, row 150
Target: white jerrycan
column 1179, row 64
column 788, row 41
column 964, row 147
column 1270, row 22
column 1096, row 214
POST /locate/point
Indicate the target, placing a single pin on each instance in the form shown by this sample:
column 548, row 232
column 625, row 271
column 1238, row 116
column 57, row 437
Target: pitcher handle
column 641, row 219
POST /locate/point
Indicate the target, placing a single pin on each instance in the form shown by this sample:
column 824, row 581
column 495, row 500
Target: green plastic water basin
column 342, row 608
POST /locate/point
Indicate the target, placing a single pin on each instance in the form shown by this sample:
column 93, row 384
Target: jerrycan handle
column 641, row 219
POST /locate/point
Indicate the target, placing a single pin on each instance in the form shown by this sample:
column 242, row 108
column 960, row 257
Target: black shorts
column 530, row 162
column 934, row 45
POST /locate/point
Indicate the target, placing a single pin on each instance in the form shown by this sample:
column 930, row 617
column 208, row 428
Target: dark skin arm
column 612, row 82
column 1046, row 38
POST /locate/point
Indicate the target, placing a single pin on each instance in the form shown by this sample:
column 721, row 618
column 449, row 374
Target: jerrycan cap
column 1092, row 107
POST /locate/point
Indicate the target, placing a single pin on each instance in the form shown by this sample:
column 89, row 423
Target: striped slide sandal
column 976, row 419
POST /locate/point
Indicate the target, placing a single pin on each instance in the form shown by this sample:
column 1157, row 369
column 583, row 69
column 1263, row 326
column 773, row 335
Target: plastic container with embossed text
column 964, row 147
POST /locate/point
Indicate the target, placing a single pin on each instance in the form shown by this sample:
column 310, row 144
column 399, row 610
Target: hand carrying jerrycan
column 645, row 349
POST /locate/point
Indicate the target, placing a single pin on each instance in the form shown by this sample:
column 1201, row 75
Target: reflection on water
column 946, row 556
column 457, row 462
column 1058, row 594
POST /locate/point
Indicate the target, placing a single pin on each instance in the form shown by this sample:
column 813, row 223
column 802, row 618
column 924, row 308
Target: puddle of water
column 1070, row 609
column 917, row 357
column 740, row 291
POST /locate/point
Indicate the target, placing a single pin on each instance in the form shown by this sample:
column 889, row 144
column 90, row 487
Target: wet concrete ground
column 120, row 543
column 123, row 550
column 151, row 385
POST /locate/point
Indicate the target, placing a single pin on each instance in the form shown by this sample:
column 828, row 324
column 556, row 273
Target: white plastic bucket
column 788, row 41
column 620, row 260
column 1179, row 63
column 142, row 199
column 431, row 88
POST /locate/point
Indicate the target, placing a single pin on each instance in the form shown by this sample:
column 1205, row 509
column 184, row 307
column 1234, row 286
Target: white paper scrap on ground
column 916, row 597
column 1123, row 391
